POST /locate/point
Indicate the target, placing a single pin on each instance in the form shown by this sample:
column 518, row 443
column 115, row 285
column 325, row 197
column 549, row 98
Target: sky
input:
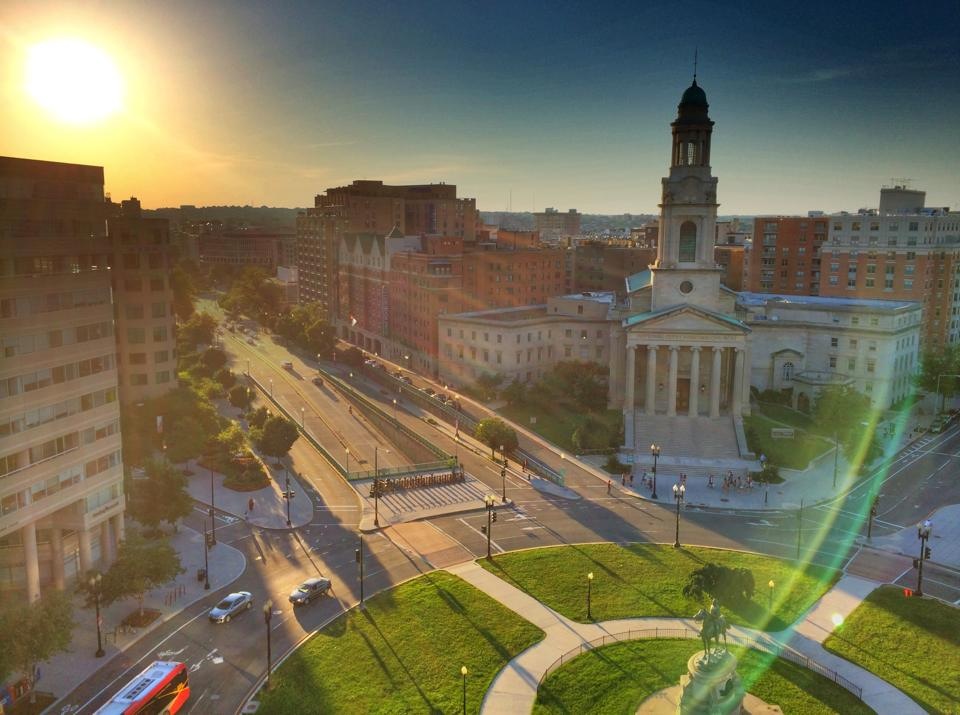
column 521, row 104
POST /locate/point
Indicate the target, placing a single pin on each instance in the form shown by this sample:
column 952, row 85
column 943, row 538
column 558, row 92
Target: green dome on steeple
column 694, row 96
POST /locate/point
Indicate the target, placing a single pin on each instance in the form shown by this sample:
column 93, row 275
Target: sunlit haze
column 816, row 106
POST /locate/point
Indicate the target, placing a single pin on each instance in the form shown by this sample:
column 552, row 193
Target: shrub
column 615, row 466
column 733, row 586
column 225, row 378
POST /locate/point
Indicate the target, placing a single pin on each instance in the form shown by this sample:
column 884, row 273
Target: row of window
column 484, row 355
column 135, row 311
column 138, row 335
column 51, row 265
column 26, row 344
column 132, row 261
column 141, row 358
column 55, row 375
column 875, row 226
column 61, row 410
column 28, row 306
column 135, row 285
column 567, row 333
column 56, row 446
column 138, row 379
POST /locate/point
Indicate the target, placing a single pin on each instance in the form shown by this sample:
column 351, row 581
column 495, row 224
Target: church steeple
column 692, row 129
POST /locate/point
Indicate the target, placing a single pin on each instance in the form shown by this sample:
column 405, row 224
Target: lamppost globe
column 678, row 492
column 96, row 582
column 770, row 585
column 655, row 452
column 589, row 588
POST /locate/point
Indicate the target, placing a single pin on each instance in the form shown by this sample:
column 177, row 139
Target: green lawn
column 647, row 580
column 404, row 653
column 617, row 678
column 787, row 415
column 912, row 643
column 793, row 453
column 557, row 424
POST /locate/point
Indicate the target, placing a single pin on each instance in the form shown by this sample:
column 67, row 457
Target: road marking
column 479, row 533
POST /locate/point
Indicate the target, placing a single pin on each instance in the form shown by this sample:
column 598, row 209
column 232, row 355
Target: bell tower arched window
column 688, row 242
column 691, row 154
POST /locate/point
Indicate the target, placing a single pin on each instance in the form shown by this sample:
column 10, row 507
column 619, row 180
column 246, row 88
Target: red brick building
column 784, row 257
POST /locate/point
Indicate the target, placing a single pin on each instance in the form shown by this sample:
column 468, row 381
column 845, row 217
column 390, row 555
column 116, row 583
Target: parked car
column 287, row 365
column 308, row 590
column 398, row 374
column 936, row 427
column 230, row 606
column 404, row 378
column 429, row 391
column 318, row 381
column 441, row 397
column 251, row 341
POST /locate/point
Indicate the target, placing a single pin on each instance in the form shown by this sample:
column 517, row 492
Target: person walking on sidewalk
column 609, row 485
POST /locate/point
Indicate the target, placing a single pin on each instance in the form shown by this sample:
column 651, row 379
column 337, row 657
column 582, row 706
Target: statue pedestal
column 712, row 686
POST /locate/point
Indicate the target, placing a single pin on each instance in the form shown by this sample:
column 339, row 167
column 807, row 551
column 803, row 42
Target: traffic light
column 289, row 495
column 916, row 563
column 503, row 472
column 210, row 541
column 926, row 552
column 493, row 517
column 210, row 512
column 483, row 529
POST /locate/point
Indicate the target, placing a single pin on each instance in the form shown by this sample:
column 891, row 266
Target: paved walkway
column 944, row 539
column 514, row 689
column 65, row 671
column 269, row 506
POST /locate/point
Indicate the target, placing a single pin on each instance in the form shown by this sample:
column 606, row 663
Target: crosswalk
column 424, row 498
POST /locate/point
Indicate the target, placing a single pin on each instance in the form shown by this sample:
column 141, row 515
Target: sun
column 75, row 81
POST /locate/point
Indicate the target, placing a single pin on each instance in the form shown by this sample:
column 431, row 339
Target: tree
column 841, row 412
column 199, row 329
column 184, row 291
column 733, row 586
column 592, row 433
column 161, row 495
column 225, row 377
column 258, row 417
column 185, row 438
column 494, row 432
column 320, row 337
column 213, row 359
column 141, row 566
column 240, row 396
column 35, row 633
column 277, row 437
column 353, row 357
column 583, row 383
column 938, row 369
column 515, row 393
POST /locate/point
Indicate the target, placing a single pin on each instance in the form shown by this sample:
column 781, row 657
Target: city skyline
column 520, row 110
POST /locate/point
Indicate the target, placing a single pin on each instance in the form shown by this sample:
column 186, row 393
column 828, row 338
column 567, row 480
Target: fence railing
column 768, row 647
column 406, row 469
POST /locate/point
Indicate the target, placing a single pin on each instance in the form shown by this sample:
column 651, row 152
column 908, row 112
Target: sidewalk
column 65, row 671
column 269, row 506
column 514, row 689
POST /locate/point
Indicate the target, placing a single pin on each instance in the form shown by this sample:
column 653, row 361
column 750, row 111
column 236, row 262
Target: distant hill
column 233, row 216
column 589, row 223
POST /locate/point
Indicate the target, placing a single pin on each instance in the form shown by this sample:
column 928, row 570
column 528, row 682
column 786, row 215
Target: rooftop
column 756, row 300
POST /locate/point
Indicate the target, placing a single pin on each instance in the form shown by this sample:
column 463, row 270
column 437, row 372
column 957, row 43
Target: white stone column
column 119, row 533
column 86, row 558
column 56, row 550
column 106, row 545
column 631, row 376
column 738, row 382
column 31, row 564
column 715, row 383
column 695, row 382
column 672, row 381
column 651, row 406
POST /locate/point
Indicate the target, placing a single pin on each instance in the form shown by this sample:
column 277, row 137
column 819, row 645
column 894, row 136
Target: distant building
column 603, row 266
column 729, row 258
column 143, row 297
column 372, row 207
column 61, row 469
column 554, row 225
column 784, row 256
column 259, row 247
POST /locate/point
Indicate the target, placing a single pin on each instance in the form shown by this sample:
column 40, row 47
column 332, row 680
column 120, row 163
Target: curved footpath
column 514, row 689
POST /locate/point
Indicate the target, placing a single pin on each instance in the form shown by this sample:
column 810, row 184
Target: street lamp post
column 271, row 387
column 463, row 672
column 213, row 508
column 503, row 484
column 96, row 582
column 395, row 409
column 288, row 495
column 206, row 560
column 799, row 527
column 655, row 451
column 303, row 411
column 678, row 491
column 489, row 501
column 348, row 461
column 943, row 402
column 770, row 585
column 359, row 559
column 923, row 533
column 836, row 456
column 267, row 615
column 589, row 590
column 376, row 486
column 874, row 508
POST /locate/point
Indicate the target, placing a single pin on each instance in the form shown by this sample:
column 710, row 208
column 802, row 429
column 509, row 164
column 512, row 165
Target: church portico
column 673, row 378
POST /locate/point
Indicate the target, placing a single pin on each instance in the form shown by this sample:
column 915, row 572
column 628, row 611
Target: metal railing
column 765, row 646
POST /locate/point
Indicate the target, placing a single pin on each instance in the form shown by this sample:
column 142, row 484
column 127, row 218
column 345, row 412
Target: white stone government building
column 684, row 350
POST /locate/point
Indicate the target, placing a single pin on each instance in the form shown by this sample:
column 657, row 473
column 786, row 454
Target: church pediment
column 685, row 319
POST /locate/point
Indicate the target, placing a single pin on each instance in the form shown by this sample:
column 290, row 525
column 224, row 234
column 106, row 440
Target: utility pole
column 359, row 559
column 799, row 527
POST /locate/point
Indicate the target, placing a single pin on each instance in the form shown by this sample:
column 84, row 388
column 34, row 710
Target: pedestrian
column 623, row 479
column 710, row 480
column 631, row 479
column 250, row 505
column 609, row 485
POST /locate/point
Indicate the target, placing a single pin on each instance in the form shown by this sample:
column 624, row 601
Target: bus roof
column 152, row 675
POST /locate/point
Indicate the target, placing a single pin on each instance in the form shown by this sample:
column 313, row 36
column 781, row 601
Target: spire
column 695, row 49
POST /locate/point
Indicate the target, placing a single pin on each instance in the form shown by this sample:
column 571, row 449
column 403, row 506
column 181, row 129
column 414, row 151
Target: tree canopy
column 160, row 496
column 277, row 436
column 141, row 566
column 840, row 412
column 494, row 432
column 939, row 369
column 34, row 633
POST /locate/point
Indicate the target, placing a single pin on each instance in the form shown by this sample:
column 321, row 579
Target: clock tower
column 685, row 271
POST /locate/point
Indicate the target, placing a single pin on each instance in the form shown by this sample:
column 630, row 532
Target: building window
column 138, row 379
column 851, row 364
column 787, row 371
column 834, row 342
column 853, row 343
column 131, row 261
column 133, row 311
column 138, row 358
column 136, row 336
column 688, row 242
column 156, row 284
column 833, row 361
column 159, row 333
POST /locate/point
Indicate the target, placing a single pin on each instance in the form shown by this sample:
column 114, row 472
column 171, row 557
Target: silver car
column 308, row 590
column 231, row 606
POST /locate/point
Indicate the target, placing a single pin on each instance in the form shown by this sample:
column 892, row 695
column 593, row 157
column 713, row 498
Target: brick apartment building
column 784, row 257
column 553, row 225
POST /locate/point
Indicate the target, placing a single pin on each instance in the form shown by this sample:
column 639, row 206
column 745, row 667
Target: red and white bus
column 163, row 687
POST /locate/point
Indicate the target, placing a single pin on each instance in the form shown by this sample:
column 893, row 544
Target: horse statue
column 714, row 627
